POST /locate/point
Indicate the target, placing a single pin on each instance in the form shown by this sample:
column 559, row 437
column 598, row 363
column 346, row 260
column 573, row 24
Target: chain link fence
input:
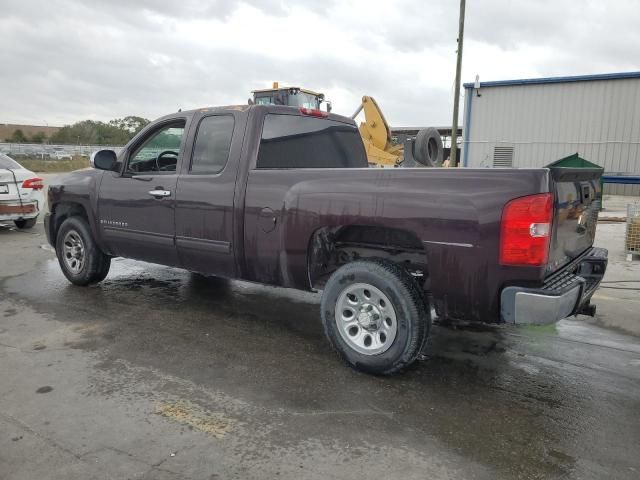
column 52, row 152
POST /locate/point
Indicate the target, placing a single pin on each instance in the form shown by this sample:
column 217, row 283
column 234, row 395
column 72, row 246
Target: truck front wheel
column 80, row 259
column 374, row 316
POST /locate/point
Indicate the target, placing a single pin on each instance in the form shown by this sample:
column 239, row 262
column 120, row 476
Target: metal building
column 532, row 122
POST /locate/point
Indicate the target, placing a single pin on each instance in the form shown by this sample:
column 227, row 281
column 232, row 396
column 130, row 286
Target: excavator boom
column 376, row 134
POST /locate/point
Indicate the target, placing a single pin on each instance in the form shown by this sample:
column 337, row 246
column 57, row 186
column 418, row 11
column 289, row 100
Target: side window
column 213, row 141
column 292, row 141
column 159, row 152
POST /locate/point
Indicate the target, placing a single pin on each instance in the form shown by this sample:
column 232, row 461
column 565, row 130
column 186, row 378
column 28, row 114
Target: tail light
column 525, row 230
column 35, row 183
column 313, row 112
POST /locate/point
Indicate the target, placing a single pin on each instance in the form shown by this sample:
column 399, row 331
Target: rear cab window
column 292, row 141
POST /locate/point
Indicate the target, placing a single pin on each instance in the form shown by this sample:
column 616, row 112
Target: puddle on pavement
column 490, row 394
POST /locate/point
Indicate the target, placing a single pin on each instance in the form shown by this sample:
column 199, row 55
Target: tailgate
column 578, row 197
column 8, row 187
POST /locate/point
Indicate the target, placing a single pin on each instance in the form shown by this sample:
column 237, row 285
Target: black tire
column 428, row 149
column 25, row 223
column 95, row 265
column 412, row 315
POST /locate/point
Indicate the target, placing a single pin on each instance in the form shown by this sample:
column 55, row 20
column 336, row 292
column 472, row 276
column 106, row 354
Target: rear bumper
column 10, row 210
column 564, row 293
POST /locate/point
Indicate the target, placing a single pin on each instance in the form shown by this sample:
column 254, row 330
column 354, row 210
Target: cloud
column 66, row 60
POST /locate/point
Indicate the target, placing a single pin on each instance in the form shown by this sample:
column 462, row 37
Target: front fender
column 75, row 194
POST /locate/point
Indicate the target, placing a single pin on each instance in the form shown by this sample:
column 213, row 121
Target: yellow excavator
column 425, row 150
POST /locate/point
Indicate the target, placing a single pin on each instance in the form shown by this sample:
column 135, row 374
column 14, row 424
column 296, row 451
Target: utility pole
column 456, row 94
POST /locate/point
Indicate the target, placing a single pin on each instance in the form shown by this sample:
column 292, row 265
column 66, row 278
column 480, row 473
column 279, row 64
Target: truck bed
column 455, row 214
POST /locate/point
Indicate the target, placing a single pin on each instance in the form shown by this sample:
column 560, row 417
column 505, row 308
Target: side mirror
column 104, row 159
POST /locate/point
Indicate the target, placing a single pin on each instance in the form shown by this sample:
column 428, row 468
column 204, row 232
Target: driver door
column 136, row 206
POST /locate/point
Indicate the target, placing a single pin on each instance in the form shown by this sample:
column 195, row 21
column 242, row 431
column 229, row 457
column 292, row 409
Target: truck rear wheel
column 374, row 316
column 80, row 259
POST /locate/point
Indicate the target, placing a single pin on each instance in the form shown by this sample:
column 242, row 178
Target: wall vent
column 503, row 157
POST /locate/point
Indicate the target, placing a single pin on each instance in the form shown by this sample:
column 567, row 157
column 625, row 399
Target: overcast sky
column 67, row 60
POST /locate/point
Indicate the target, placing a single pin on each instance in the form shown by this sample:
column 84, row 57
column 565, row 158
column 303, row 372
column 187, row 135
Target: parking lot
column 157, row 373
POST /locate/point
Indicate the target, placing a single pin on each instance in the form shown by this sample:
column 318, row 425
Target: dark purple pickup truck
column 284, row 196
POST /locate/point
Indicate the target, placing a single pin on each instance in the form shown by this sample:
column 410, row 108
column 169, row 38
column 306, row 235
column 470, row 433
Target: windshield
column 8, row 162
column 265, row 100
column 298, row 99
column 304, row 100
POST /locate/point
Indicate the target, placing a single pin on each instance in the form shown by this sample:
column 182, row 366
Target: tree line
column 88, row 132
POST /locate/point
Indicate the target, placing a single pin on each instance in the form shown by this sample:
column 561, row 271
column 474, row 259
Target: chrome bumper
column 564, row 293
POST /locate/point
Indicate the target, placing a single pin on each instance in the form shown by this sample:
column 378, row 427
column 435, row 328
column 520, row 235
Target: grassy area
column 53, row 166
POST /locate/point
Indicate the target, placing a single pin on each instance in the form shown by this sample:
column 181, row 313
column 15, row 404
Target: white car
column 21, row 193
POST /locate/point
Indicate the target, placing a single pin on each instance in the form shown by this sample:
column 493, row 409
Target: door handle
column 158, row 193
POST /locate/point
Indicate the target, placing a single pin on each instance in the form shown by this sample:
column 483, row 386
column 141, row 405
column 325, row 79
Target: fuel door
column 267, row 220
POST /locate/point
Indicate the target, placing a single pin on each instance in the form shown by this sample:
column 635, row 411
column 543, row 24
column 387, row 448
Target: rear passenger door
column 204, row 198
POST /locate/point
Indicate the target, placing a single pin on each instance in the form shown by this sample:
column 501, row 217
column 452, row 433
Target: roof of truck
column 244, row 108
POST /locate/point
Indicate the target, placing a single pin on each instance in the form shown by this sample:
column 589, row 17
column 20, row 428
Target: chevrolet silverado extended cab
column 284, row 196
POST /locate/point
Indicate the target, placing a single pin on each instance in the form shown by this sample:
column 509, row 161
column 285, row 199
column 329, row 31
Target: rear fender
column 331, row 247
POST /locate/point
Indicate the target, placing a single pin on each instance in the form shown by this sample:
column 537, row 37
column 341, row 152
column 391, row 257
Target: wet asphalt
column 158, row 373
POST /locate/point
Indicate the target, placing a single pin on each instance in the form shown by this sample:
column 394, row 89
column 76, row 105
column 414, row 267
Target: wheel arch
column 63, row 210
column 331, row 247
